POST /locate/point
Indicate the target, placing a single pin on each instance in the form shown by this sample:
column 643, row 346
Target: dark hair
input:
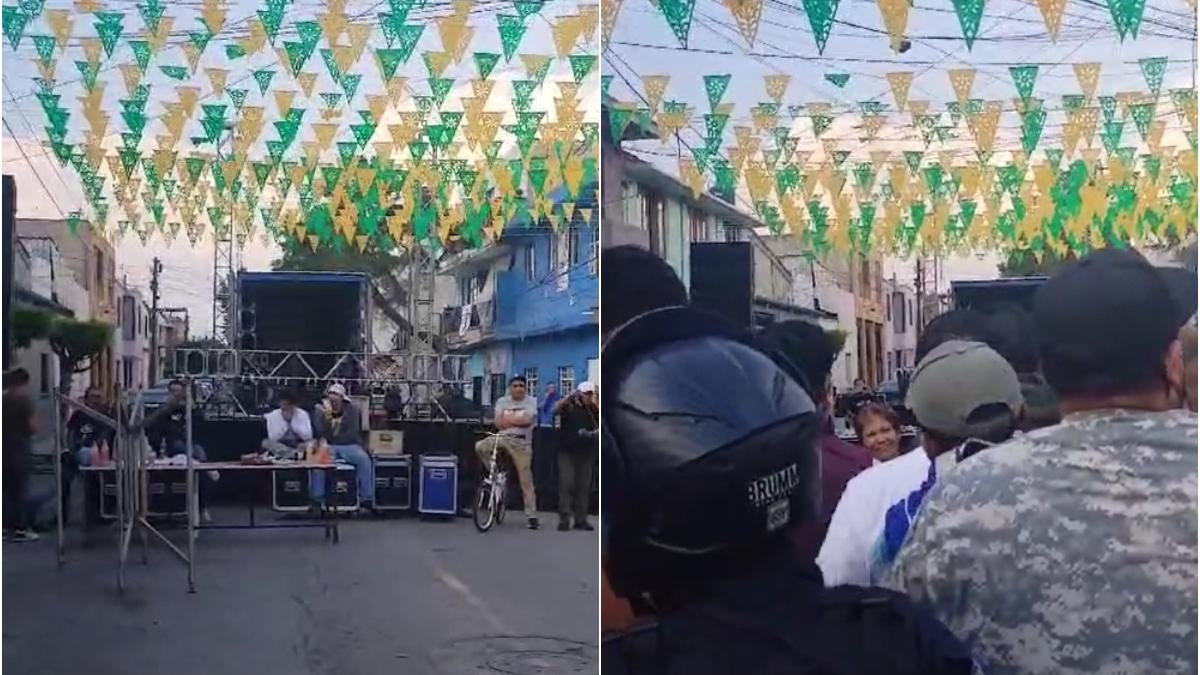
column 1012, row 334
column 518, row 378
column 176, row 381
column 877, row 409
column 957, row 324
column 287, row 396
column 802, row 349
column 635, row 282
column 1104, row 324
column 16, row 377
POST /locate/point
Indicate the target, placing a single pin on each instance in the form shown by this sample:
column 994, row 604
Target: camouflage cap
column 954, row 380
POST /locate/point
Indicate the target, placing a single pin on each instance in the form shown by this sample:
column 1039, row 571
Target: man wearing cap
column 857, row 521
column 339, row 423
column 577, row 451
column 1072, row 549
column 964, row 397
column 515, row 416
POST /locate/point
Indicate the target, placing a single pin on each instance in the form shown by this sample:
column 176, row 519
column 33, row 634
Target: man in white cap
column 577, row 451
column 339, row 423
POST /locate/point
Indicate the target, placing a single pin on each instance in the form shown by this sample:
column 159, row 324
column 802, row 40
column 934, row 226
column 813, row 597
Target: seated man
column 339, row 423
column 289, row 429
column 515, row 416
column 85, row 435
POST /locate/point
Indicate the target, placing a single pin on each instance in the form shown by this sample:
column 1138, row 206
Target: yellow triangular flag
column 962, row 79
column 1052, row 12
column 1088, row 75
column 900, row 83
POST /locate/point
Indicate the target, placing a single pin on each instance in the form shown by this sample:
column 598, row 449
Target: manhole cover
column 524, row 655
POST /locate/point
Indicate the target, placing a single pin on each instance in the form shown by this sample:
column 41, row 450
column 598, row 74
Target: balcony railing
column 468, row 323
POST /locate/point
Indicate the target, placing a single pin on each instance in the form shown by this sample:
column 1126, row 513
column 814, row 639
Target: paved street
column 396, row 596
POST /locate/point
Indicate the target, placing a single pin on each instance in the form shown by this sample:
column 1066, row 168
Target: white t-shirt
column 858, row 520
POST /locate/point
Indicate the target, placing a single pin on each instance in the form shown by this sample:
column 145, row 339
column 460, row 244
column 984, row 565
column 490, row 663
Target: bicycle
column 489, row 506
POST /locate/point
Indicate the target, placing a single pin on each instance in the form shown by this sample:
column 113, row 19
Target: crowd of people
column 1045, row 523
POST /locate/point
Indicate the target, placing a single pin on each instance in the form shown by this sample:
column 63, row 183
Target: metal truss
column 283, row 366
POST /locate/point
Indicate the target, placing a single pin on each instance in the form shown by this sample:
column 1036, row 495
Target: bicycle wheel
column 501, row 497
column 482, row 510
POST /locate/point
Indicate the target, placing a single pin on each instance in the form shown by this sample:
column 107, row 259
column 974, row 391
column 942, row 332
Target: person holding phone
column 577, row 451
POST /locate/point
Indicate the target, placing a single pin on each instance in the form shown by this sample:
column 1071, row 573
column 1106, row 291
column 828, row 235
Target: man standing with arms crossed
column 515, row 416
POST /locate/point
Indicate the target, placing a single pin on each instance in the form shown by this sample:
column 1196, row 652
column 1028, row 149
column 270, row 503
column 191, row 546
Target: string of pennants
column 344, row 128
column 1126, row 17
column 907, row 175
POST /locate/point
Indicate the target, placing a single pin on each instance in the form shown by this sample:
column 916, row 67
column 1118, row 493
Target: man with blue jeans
column 339, row 423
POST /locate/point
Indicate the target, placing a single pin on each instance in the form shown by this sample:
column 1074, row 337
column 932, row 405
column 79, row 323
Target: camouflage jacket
column 1071, row 549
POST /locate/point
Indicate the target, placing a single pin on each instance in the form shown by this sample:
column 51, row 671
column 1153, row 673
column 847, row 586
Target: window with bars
column 531, row 262
column 574, row 244
column 531, row 381
column 566, row 379
column 594, row 256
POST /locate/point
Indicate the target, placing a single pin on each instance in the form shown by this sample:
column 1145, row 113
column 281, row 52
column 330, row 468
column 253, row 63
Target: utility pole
column 155, row 270
column 920, row 291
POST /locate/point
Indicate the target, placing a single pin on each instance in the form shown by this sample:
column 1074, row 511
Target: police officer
column 709, row 458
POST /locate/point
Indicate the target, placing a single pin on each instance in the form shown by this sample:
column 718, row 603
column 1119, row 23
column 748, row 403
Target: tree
column 77, row 344
column 29, row 325
column 1025, row 264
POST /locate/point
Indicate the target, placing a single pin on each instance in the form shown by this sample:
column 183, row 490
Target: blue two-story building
column 528, row 305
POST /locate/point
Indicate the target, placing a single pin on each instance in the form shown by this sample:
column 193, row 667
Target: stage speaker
column 722, row 280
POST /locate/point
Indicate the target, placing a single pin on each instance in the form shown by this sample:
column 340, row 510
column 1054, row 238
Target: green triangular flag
column 838, row 80
column 14, row 21
column 969, row 12
column 1110, row 134
column 605, row 84
column 234, row 51
column 1108, row 107
column 152, row 12
column 821, row 14
column 389, row 60
column 331, row 98
column 309, row 33
column 619, row 118
column 678, row 14
column 715, row 86
column 407, row 37
column 1143, row 115
column 1127, row 16
column 73, row 219
column 581, row 65
column 512, row 29
column 200, row 39
column 913, row 159
column 1153, row 69
column 298, row 54
column 527, row 8
column 141, row 53
column 238, row 96
column 1024, row 78
column 440, row 88
column 271, row 19
column 485, row 62
column 263, row 78
column 88, row 72
column 44, row 44
column 109, row 29
column 1032, row 123
column 349, row 84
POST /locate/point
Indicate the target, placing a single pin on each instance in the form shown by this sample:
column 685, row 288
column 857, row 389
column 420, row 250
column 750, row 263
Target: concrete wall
column 549, row 353
column 559, row 297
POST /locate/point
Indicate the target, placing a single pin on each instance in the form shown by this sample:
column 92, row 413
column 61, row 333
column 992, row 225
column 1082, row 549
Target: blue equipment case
column 438, row 485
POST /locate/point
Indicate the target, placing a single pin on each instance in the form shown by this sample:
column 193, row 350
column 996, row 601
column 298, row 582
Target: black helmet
column 710, row 448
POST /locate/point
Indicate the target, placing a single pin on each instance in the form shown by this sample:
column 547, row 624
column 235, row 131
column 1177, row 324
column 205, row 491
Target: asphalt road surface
column 399, row 596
